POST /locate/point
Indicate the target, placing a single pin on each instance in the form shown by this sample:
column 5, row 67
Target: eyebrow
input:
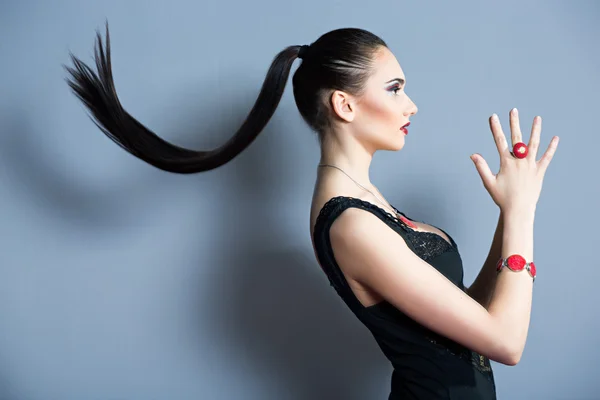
column 399, row 80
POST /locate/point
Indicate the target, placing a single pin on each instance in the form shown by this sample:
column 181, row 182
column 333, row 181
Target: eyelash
column 394, row 89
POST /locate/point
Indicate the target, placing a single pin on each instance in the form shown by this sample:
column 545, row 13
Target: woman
column 402, row 278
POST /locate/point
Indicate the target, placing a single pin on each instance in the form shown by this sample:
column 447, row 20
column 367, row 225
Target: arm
column 383, row 262
column 482, row 288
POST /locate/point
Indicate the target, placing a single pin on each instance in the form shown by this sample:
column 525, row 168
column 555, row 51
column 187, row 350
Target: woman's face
column 384, row 109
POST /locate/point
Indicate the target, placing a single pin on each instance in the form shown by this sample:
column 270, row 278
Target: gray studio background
column 122, row 282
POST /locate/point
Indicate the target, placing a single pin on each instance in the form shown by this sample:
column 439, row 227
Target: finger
column 483, row 168
column 534, row 139
column 547, row 157
column 499, row 138
column 515, row 128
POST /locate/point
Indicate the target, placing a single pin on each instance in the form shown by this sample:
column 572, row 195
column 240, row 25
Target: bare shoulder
column 319, row 201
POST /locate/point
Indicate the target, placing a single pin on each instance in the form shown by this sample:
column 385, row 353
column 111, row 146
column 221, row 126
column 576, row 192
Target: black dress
column 426, row 364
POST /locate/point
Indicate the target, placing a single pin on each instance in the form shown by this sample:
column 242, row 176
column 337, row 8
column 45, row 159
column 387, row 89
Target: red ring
column 520, row 150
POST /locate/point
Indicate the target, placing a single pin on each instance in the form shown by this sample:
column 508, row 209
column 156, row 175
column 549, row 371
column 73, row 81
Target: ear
column 343, row 105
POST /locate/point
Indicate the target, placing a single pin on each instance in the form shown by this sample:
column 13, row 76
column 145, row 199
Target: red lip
column 404, row 128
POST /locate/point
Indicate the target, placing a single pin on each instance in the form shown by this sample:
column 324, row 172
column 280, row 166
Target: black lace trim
column 426, row 245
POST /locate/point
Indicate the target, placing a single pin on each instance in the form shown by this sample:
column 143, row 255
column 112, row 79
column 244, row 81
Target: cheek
column 382, row 113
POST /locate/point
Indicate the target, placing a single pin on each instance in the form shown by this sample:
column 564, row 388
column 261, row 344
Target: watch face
column 516, row 262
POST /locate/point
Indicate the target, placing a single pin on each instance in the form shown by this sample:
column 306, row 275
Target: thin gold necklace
column 385, row 204
column 395, row 213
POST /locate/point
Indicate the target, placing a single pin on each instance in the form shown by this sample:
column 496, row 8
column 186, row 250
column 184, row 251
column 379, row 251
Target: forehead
column 386, row 66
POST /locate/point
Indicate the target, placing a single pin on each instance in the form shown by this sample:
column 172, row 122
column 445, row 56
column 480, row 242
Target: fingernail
column 494, row 117
column 515, row 111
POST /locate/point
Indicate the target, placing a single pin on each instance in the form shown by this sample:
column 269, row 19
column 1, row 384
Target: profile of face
column 377, row 116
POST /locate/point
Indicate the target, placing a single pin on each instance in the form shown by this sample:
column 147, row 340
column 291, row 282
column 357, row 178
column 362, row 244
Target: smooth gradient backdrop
column 119, row 281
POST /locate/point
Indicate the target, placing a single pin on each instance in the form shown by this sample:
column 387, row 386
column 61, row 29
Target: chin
column 393, row 142
column 396, row 145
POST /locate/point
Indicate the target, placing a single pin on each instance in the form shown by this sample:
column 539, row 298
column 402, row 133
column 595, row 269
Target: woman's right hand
column 518, row 184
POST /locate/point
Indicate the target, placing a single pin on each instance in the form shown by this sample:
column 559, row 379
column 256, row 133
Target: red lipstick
column 405, row 128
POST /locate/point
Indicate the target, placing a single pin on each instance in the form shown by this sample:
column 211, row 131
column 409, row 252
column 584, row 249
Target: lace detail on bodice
column 426, row 244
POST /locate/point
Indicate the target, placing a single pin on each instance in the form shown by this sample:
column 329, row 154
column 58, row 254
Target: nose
column 412, row 109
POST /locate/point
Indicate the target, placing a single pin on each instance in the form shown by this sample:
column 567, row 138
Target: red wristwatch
column 517, row 263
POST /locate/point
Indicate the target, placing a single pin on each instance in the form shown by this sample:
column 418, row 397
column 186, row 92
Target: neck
column 349, row 156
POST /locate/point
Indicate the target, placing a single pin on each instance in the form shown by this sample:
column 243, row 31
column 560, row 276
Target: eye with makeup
column 397, row 85
column 394, row 88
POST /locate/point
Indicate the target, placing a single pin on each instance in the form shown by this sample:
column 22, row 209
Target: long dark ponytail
column 339, row 59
